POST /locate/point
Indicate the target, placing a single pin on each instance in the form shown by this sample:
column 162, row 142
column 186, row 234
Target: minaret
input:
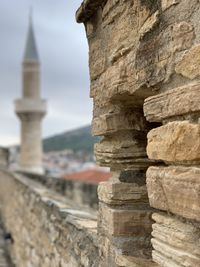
column 31, row 108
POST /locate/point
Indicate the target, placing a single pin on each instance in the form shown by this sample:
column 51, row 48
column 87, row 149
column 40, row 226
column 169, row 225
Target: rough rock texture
column 176, row 243
column 124, row 219
column 47, row 229
column 116, row 192
column 174, row 142
column 176, row 190
column 189, row 64
column 180, row 101
column 144, row 52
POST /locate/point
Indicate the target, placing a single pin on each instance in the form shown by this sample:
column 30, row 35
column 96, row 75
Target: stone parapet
column 81, row 193
column 175, row 188
column 124, row 219
column 144, row 55
column 47, row 229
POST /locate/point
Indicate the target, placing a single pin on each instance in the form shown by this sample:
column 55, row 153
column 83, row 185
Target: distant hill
column 77, row 140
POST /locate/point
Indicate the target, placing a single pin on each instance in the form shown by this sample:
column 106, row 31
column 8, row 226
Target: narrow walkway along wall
column 81, row 193
column 47, row 229
column 146, row 52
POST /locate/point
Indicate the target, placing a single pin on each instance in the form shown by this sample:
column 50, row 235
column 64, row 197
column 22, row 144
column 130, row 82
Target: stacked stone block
column 145, row 52
column 174, row 188
column 124, row 213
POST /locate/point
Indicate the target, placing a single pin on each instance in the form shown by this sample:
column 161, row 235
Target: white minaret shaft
column 31, row 109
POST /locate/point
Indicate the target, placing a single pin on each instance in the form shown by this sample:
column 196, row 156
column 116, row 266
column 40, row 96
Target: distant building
column 89, row 176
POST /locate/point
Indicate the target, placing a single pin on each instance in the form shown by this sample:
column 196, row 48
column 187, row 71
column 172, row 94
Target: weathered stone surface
column 110, row 123
column 175, row 243
column 179, row 101
column 137, row 246
column 127, row 261
column 125, row 150
column 133, row 222
column 174, row 142
column 168, row 3
column 189, row 66
column 156, row 55
column 87, row 9
column 80, row 192
column 149, row 24
column 47, row 229
column 135, row 47
column 175, row 189
column 119, row 193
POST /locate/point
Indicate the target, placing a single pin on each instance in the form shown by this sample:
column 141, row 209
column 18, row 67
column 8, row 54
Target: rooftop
column 90, row 176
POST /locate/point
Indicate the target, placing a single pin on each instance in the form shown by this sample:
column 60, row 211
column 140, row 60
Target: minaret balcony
column 25, row 105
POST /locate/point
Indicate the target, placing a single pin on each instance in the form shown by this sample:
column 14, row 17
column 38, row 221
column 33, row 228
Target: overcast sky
column 63, row 54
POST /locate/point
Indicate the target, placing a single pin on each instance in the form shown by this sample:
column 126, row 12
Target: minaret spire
column 31, row 52
column 30, row 13
column 31, row 108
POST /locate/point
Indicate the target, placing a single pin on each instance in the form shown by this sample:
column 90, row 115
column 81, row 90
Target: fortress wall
column 47, row 229
column 82, row 193
column 144, row 59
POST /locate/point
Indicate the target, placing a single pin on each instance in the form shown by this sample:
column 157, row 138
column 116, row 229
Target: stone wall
column 4, row 157
column 82, row 193
column 46, row 228
column 144, row 70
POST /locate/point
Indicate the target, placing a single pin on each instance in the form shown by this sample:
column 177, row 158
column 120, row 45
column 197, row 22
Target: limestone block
column 115, row 192
column 189, row 65
column 113, row 251
column 125, row 120
column 119, row 43
column 175, row 189
column 122, row 151
column 155, row 56
column 175, row 142
column 175, row 243
column 125, row 222
column 175, row 102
